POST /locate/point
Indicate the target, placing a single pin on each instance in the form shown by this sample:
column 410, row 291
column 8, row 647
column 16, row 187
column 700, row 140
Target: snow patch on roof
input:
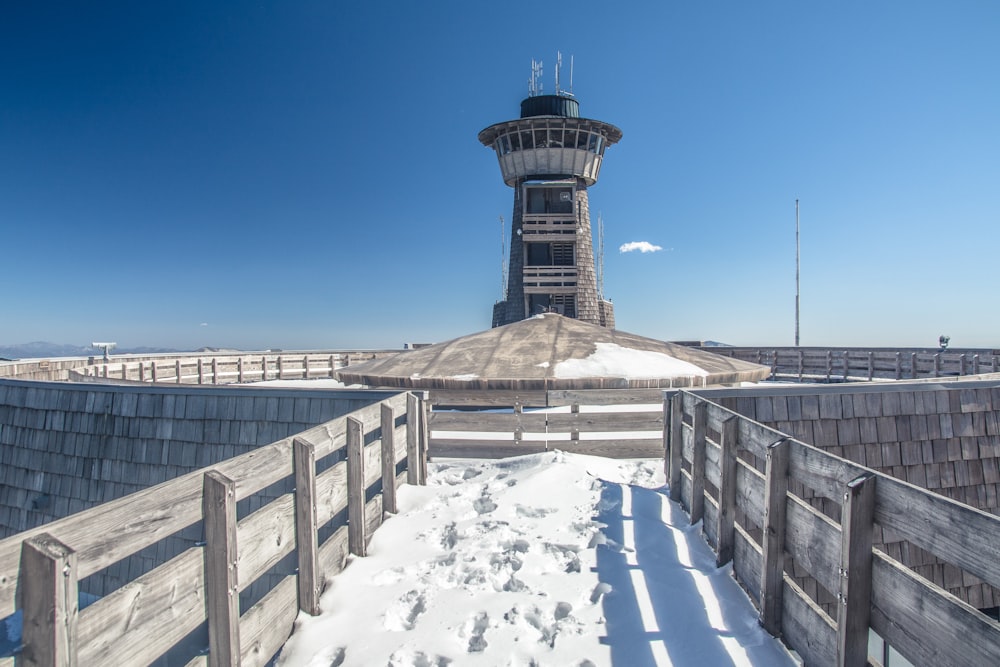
column 612, row 360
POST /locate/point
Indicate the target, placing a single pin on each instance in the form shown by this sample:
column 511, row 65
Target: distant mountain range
column 43, row 350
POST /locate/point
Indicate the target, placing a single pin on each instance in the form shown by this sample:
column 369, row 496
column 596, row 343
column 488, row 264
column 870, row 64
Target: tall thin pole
column 796, row 273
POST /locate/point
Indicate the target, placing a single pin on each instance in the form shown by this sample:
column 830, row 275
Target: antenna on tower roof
column 535, row 85
column 571, row 75
column 558, row 67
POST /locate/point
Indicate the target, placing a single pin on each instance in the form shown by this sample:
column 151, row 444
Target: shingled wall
column 941, row 436
column 66, row 447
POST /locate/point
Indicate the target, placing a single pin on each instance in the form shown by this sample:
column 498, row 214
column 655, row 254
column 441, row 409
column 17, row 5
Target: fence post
column 412, row 439
column 829, row 365
column 310, row 579
column 913, row 365
column 801, row 364
column 356, row 538
column 388, row 425
column 698, row 461
column 263, row 368
column 281, row 368
column 676, row 443
column 975, row 364
column 847, row 364
column 937, row 365
column 48, row 581
column 871, row 366
column 333, row 364
column 222, row 593
column 142, row 371
column 201, row 372
column 215, row 371
column 177, row 367
column 425, row 434
column 773, row 562
column 152, row 370
column 963, row 365
column 725, row 528
column 239, row 369
column 854, row 608
column 305, row 366
column 899, row 366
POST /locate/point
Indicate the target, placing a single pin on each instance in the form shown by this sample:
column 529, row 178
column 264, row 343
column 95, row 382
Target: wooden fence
column 218, row 370
column 573, row 422
column 350, row 465
column 864, row 364
column 740, row 479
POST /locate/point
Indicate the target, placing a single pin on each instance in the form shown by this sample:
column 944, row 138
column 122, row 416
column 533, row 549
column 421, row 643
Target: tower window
column 548, row 199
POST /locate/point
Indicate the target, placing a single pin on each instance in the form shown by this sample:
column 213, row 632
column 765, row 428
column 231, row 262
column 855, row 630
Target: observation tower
column 551, row 156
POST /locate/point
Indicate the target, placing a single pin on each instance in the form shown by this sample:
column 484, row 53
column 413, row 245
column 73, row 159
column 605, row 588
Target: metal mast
column 796, row 273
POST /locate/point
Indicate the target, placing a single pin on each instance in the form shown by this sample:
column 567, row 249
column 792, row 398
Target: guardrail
column 217, row 370
column 345, row 472
column 851, row 365
column 742, row 480
column 613, row 423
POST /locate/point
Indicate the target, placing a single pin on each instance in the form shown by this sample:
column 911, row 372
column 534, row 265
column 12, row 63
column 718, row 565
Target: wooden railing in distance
column 734, row 475
column 489, row 434
column 848, row 365
column 219, row 369
column 147, row 617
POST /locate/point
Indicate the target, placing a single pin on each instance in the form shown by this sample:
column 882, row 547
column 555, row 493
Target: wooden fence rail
column 218, row 370
column 721, row 466
column 624, row 433
column 374, row 449
column 859, row 365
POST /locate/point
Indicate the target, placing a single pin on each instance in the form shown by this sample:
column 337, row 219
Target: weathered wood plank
column 491, row 398
column 856, row 571
column 388, row 458
column 222, row 600
column 959, row 534
column 49, row 594
column 675, row 455
column 140, row 621
column 331, row 492
column 727, row 492
column 479, row 449
column 820, row 471
column 700, row 425
column 356, row 488
column 561, row 397
column 925, row 624
column 747, row 562
column 266, row 626
column 775, row 501
column 806, row 628
column 271, row 530
column 602, row 421
column 612, row 449
column 310, row 582
column 333, row 553
column 412, row 439
column 488, row 422
column 813, row 541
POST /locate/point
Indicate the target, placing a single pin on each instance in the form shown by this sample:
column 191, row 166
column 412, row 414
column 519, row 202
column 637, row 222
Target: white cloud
column 641, row 246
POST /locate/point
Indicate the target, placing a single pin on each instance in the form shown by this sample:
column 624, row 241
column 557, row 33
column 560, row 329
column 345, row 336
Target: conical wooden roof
column 551, row 351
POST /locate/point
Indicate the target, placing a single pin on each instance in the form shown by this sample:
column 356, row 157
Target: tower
column 551, row 156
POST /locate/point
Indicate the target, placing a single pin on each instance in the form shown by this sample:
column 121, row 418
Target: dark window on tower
column 562, row 254
column 557, row 200
column 538, row 254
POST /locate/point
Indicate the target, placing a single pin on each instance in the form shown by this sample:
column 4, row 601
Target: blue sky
column 307, row 174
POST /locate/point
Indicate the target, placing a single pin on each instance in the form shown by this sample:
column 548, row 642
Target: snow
column 612, row 360
column 547, row 559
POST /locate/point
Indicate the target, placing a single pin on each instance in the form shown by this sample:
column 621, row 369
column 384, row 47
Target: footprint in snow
column 403, row 614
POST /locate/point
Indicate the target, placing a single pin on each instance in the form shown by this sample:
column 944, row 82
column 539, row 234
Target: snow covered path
column 548, row 559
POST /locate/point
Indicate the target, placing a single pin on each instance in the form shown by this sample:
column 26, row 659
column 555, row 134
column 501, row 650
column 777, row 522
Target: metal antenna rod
column 796, row 273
